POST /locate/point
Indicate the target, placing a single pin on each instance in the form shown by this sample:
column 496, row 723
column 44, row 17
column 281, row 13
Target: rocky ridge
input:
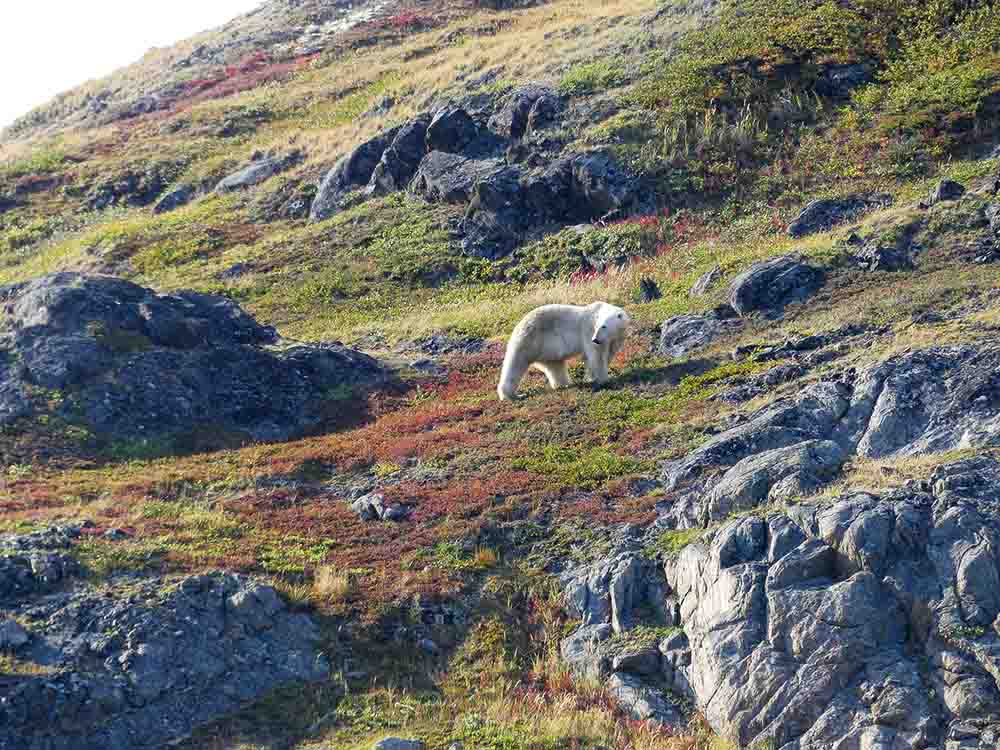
column 135, row 662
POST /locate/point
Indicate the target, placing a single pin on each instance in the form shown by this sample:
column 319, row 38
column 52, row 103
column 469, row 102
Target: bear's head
column 611, row 323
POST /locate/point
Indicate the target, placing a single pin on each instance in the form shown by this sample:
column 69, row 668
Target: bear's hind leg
column 510, row 378
column 556, row 373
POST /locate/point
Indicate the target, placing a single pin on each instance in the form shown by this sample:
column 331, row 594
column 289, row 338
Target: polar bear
column 550, row 335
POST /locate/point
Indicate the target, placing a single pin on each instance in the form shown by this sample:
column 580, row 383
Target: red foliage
column 249, row 73
column 405, row 20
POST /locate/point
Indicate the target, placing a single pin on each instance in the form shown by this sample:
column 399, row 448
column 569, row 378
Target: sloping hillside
column 258, row 490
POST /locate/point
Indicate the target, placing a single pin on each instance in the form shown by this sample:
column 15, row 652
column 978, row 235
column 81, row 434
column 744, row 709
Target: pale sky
column 50, row 46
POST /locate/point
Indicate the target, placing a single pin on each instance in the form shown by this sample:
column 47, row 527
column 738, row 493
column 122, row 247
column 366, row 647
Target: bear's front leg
column 597, row 363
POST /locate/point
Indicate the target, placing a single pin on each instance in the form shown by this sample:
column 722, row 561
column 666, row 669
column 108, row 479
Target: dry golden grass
column 880, row 475
column 331, row 585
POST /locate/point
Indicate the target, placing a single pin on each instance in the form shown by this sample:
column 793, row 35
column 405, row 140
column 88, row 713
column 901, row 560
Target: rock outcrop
column 862, row 622
column 133, row 364
column 683, row 334
column 137, row 663
column 865, row 620
column 451, row 156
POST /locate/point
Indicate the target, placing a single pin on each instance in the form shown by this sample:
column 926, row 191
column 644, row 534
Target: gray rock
column 643, row 702
column 373, row 507
column 768, row 286
column 822, row 215
column 753, row 480
column 142, row 366
column 644, row 661
column 945, row 190
column 603, row 186
column 993, row 214
column 609, row 591
column 133, row 187
column 400, row 159
column 511, row 120
column 814, row 415
column 706, row 281
column 582, row 651
column 256, row 173
column 350, row 173
column 858, row 623
column 396, row 743
column 144, row 662
column 176, row 198
column 12, row 635
column 928, row 401
column 450, row 178
column 450, row 131
column 683, row 334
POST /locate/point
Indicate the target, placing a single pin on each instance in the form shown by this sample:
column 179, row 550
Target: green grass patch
column 585, row 468
column 588, row 78
column 670, row 544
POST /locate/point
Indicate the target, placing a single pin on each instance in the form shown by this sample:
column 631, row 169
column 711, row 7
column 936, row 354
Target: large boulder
column 400, row 159
column 508, row 205
column 451, row 130
column 256, row 172
column 142, row 663
column 176, row 198
column 768, row 286
column 497, row 216
column 511, row 120
column 861, row 622
column 826, row 213
column 138, row 365
column 683, row 334
column 450, row 178
column 350, row 173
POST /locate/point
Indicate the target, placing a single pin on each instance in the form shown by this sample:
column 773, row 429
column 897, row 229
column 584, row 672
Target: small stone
column 649, row 290
column 705, row 281
column 428, row 647
column 644, row 661
column 946, row 190
column 12, row 635
column 116, row 534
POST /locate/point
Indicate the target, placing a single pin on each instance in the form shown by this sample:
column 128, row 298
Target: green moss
column 671, row 543
column 588, row 78
column 102, row 559
column 45, row 160
column 117, row 340
column 584, row 468
column 291, row 554
column 638, row 638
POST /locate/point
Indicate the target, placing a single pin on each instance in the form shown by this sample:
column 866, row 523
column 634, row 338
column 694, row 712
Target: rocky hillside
column 257, row 490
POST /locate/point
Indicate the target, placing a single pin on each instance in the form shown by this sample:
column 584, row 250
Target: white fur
column 551, row 335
